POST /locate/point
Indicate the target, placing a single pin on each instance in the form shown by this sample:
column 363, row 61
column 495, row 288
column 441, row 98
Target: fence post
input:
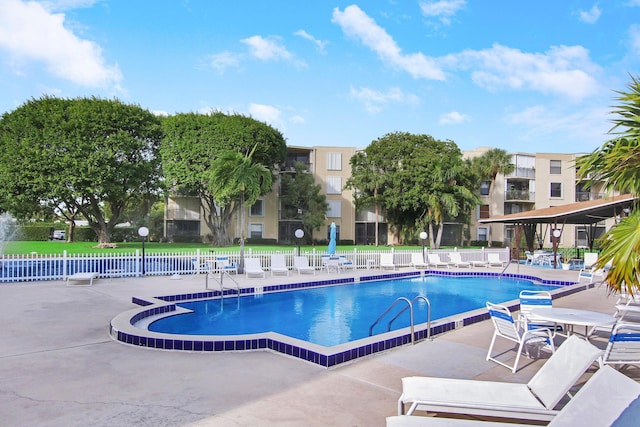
column 64, row 264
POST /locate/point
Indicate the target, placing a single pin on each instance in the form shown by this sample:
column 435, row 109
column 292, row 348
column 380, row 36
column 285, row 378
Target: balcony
column 584, row 196
column 182, row 215
column 529, row 173
column 519, row 196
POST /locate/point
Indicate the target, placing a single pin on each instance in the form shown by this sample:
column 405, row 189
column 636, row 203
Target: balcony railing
column 520, row 195
column 584, row 196
column 523, row 173
column 182, row 215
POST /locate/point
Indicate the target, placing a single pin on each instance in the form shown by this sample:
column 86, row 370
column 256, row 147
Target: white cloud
column 442, row 9
column 634, row 39
column 222, row 61
column 357, row 24
column 374, row 100
column 453, row 118
column 267, row 113
column 29, row 33
column 563, row 70
column 590, row 16
column 59, row 5
column 297, row 119
column 320, row 45
column 270, row 49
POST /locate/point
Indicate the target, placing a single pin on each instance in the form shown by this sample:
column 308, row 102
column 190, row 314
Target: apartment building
column 539, row 180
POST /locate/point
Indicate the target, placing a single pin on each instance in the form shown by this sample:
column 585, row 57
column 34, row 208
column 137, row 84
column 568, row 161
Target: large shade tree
column 84, row 157
column 422, row 184
column 617, row 163
column 192, row 142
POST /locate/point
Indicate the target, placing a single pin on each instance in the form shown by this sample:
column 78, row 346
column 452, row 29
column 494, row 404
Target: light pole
column 143, row 232
column 299, row 234
column 423, row 237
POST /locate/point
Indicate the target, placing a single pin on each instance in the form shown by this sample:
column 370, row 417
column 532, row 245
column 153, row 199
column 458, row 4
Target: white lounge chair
column 417, row 260
column 332, row 264
column 386, row 261
column 477, row 263
column 606, row 398
column 493, row 260
column 346, row 263
column 301, row 263
column 535, row 400
column 515, row 331
column 279, row 265
column 252, row 267
column 593, row 272
column 624, row 345
column 455, row 260
column 434, row 260
column 223, row 265
column 199, row 267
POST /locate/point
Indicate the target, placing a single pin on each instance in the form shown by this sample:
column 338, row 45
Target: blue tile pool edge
column 122, row 327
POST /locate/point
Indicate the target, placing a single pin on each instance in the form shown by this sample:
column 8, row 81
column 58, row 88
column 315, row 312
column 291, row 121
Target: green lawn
column 57, row 247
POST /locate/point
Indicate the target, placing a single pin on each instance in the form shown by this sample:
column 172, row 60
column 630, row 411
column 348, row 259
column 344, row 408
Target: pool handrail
column 411, row 315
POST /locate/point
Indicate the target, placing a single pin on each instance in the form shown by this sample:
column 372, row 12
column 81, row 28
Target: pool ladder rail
column 221, row 284
column 411, row 314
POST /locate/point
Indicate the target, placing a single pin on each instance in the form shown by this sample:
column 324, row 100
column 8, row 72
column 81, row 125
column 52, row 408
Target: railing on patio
column 37, row 267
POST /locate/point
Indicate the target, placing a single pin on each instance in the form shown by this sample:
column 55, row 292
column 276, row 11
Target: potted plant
column 567, row 254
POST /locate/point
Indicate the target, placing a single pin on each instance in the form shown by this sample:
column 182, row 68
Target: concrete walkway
column 60, row 368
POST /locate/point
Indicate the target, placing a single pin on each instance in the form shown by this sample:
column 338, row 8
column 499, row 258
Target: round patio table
column 571, row 317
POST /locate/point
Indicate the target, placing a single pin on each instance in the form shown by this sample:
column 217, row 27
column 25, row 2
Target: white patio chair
column 434, row 260
column 417, row 260
column 493, row 260
column 515, row 331
column 455, row 260
column 279, row 265
column 199, row 267
column 223, row 265
column 252, row 267
column 529, row 301
column 624, row 345
column 530, row 258
column 606, row 398
column 593, row 272
column 346, row 263
column 301, row 263
column 386, row 261
column 333, row 264
column 535, row 400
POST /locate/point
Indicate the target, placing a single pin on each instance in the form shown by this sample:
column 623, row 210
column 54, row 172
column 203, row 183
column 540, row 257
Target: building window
column 257, row 209
column 334, row 185
column 335, row 209
column 483, row 211
column 555, row 167
column 556, row 190
column 334, row 161
column 483, row 234
column 484, row 188
column 255, row 231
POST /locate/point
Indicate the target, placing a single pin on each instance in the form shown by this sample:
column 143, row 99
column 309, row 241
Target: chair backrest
column 493, row 257
column 455, row 257
column 252, row 264
column 277, row 260
column 417, row 258
column 624, row 345
column 434, row 258
column 503, row 321
column 300, row 262
column 608, row 396
column 386, row 258
column 569, row 362
column 590, row 258
column 530, row 300
column 222, row 262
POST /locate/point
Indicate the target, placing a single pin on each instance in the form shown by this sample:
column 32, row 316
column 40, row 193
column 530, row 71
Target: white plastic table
column 571, row 317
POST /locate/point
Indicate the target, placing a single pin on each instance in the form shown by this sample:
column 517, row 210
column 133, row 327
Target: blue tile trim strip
column 214, row 344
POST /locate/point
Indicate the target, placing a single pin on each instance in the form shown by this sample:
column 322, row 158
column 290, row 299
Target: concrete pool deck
column 59, row 367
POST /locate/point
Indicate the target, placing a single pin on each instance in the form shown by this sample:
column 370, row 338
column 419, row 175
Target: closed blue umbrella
column 332, row 239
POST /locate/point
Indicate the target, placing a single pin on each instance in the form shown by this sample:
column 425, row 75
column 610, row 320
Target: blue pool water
column 337, row 314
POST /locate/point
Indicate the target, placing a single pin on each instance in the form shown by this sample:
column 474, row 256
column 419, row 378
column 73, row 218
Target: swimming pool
column 335, row 315
column 131, row 327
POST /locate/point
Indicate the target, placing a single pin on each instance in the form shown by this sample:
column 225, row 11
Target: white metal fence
column 36, row 267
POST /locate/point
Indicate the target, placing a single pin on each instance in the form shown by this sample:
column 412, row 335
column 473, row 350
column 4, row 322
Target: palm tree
column 617, row 163
column 234, row 176
column 490, row 164
column 366, row 178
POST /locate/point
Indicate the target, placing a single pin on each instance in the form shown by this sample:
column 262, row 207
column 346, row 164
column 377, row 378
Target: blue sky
column 526, row 75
